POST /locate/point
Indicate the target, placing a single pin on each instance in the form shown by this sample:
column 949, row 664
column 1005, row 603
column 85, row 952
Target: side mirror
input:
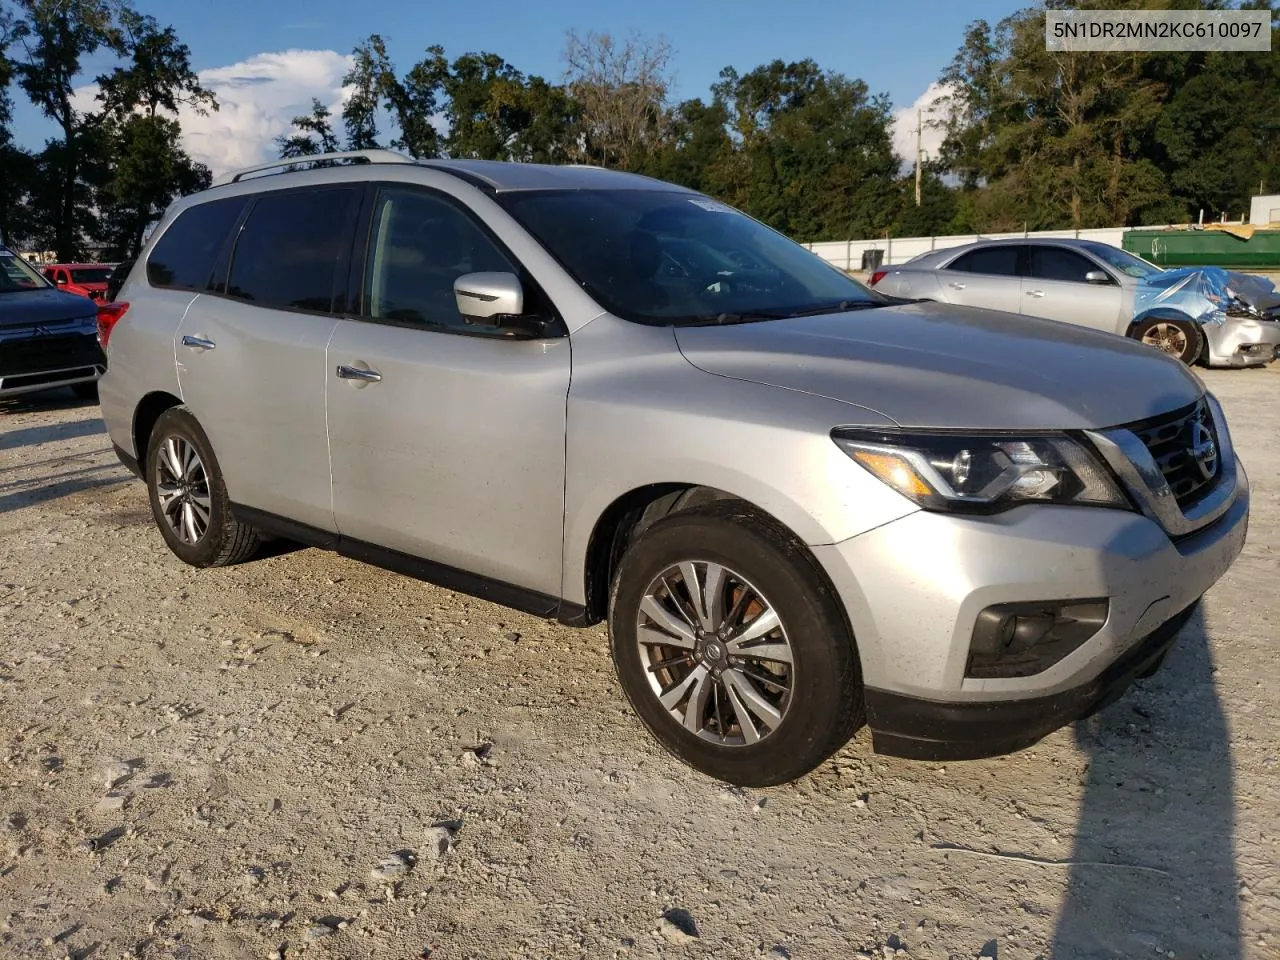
column 495, row 300
column 1097, row 276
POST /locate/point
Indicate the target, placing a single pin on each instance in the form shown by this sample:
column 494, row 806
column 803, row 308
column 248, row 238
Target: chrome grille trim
column 1132, row 460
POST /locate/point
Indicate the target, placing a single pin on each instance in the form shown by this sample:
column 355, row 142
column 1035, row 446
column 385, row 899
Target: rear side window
column 994, row 261
column 289, row 249
column 185, row 255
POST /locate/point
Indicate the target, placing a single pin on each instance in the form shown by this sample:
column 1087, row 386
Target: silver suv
column 801, row 505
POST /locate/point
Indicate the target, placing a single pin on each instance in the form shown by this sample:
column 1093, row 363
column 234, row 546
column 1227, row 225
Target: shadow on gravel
column 1154, row 852
column 50, row 433
column 16, row 496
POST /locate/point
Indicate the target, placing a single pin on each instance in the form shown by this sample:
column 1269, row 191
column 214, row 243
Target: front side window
column 419, row 246
column 1001, row 261
column 288, row 251
column 673, row 258
column 1055, row 263
column 184, row 256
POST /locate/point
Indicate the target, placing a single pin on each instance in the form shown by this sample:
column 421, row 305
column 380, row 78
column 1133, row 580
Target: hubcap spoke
column 777, row 651
column 743, row 692
column 165, row 493
column 765, row 623
column 707, row 593
column 676, row 631
column 189, row 524
column 675, row 693
column 172, row 459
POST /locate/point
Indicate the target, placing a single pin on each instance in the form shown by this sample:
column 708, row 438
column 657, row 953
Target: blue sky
column 293, row 50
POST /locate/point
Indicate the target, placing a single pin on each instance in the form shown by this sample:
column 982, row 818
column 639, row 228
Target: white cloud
column 257, row 99
column 931, row 137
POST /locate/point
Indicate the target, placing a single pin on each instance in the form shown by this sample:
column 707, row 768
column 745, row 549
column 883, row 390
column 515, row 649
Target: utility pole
column 919, row 125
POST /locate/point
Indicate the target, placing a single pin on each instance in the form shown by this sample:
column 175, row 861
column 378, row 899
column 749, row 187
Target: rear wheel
column 1180, row 339
column 732, row 649
column 188, row 498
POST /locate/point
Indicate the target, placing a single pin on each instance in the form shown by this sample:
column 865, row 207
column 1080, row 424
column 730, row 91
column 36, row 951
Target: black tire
column 224, row 540
column 86, row 391
column 824, row 706
column 1182, row 339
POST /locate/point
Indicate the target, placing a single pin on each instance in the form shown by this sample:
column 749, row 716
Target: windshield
column 670, row 258
column 1122, row 260
column 17, row 274
column 91, row 275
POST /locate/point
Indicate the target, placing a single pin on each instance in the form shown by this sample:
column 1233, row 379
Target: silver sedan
column 1226, row 319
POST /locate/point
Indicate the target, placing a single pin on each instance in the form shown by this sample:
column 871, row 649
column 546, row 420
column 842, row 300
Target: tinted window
column 90, row 275
column 998, row 261
column 289, row 249
column 1054, row 263
column 185, row 255
column 419, row 246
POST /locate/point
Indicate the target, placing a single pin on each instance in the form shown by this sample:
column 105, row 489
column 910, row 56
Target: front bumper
column 918, row 729
column 1241, row 342
column 914, row 588
column 54, row 355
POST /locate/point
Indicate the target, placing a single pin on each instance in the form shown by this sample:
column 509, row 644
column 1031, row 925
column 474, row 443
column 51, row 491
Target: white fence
column 848, row 254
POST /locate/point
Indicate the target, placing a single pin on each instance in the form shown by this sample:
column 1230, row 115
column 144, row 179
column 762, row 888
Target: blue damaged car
column 1206, row 314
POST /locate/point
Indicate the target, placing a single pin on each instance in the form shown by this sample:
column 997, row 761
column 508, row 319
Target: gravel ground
column 306, row 755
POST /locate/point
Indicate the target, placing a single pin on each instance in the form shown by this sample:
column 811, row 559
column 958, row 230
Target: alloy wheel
column 716, row 653
column 1167, row 337
column 182, row 487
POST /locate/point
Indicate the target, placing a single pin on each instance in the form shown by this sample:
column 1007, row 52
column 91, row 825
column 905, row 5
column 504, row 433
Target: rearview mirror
column 1097, row 276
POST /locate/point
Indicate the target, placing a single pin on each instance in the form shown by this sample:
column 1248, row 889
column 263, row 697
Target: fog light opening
column 1023, row 639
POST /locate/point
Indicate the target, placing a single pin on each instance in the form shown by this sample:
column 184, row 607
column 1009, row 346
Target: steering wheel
column 702, row 285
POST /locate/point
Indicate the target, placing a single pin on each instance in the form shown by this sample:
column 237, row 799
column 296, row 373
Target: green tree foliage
column 312, row 134
column 1043, row 140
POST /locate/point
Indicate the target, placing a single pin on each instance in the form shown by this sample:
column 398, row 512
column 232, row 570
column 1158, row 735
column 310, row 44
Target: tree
column 52, row 37
column 621, row 89
column 814, row 156
column 158, row 75
column 312, row 134
column 369, row 78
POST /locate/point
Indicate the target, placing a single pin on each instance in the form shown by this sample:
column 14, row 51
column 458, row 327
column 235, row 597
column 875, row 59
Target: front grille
column 43, row 353
column 1171, row 439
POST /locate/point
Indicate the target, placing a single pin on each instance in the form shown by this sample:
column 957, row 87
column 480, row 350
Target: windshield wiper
column 844, row 306
column 724, row 319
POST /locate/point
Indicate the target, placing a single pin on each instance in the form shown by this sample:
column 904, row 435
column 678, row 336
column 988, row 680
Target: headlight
column 983, row 474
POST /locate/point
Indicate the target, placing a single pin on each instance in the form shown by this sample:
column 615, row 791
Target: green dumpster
column 1206, row 248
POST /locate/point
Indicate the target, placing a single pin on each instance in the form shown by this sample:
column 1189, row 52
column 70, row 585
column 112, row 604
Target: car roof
column 934, row 257
column 503, row 176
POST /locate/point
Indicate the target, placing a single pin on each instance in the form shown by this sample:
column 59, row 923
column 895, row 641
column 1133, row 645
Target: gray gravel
column 275, row 733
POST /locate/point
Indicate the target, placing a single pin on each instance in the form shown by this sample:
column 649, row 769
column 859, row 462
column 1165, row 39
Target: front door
column 1055, row 288
column 446, row 440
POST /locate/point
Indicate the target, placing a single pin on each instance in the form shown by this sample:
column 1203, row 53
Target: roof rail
column 369, row 156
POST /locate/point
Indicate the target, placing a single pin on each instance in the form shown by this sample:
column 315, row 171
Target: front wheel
column 1180, row 339
column 731, row 647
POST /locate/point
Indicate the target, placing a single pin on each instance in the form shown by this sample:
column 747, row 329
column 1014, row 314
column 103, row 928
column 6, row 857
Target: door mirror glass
column 1097, row 276
column 489, row 299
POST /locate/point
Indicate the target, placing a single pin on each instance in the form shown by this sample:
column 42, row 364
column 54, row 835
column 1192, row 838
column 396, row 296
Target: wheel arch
column 1160, row 313
column 634, row 511
column 145, row 415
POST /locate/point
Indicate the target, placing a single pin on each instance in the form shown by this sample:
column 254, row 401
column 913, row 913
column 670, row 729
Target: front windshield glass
column 1123, row 260
column 16, row 274
column 667, row 258
column 90, row 275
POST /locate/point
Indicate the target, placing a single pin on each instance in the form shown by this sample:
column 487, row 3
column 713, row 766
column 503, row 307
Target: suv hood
column 22, row 308
column 936, row 365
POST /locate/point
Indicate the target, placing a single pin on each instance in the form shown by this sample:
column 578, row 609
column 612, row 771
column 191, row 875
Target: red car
column 87, row 279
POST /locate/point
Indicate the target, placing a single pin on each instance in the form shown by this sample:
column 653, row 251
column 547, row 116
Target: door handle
column 956, row 286
column 1035, row 293
column 358, row 373
column 198, row 343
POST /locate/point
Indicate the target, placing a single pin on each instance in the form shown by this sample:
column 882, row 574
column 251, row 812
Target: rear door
column 1055, row 288
column 251, row 353
column 985, row 277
